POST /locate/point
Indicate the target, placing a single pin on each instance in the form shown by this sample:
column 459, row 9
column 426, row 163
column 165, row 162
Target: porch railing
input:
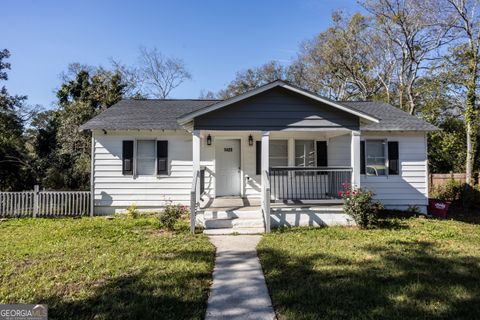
column 308, row 183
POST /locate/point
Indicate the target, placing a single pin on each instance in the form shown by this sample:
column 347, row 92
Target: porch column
column 265, row 189
column 265, row 152
column 196, row 159
column 355, row 158
column 291, row 152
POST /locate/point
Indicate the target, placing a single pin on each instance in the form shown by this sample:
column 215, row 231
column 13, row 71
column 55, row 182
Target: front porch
column 302, row 191
column 238, row 204
column 236, row 215
column 277, row 143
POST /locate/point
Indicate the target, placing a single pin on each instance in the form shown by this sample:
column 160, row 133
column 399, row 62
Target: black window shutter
column 258, row 156
column 393, row 167
column 162, row 157
column 127, row 157
column 322, row 157
column 362, row 157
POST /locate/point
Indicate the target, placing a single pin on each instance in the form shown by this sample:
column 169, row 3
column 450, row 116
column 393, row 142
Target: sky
column 214, row 38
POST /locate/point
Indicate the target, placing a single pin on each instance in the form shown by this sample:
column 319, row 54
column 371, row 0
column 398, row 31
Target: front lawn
column 409, row 269
column 93, row 268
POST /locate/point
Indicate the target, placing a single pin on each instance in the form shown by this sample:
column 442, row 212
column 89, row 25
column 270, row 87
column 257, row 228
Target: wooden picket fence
column 437, row 180
column 38, row 203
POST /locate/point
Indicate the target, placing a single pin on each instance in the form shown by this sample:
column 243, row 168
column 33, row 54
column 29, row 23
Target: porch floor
column 229, row 204
column 244, row 204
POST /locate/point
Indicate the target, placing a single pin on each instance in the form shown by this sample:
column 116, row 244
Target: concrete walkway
column 238, row 290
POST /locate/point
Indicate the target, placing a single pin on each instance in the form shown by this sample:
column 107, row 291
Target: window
column 375, row 158
column 278, row 153
column 146, row 157
column 304, row 153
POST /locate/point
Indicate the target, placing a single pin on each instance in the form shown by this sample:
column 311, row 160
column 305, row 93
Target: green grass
column 409, row 269
column 93, row 268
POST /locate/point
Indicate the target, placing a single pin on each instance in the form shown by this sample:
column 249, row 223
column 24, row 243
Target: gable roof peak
column 268, row 86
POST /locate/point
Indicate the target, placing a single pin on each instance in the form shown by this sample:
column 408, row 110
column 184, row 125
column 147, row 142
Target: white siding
column 410, row 187
column 115, row 192
column 338, row 151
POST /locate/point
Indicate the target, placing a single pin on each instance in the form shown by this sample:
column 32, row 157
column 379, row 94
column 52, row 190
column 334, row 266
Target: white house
column 276, row 155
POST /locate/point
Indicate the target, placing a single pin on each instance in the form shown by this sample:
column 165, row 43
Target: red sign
column 438, row 208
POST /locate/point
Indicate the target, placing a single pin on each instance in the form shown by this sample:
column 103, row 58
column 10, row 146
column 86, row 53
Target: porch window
column 304, row 153
column 146, row 157
column 375, row 158
column 278, row 153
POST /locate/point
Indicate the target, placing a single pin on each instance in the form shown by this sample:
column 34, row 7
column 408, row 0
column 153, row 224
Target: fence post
column 36, row 190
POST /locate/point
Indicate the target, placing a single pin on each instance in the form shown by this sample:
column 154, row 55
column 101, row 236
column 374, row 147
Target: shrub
column 132, row 211
column 414, row 209
column 452, row 190
column 170, row 215
column 359, row 204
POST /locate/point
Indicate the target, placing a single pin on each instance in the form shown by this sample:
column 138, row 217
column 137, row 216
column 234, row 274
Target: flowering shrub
column 170, row 215
column 358, row 203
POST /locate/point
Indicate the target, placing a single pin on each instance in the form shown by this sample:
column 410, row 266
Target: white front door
column 227, row 167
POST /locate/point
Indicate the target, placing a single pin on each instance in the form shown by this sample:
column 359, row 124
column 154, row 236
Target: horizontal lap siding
column 338, row 151
column 276, row 109
column 115, row 191
column 410, row 187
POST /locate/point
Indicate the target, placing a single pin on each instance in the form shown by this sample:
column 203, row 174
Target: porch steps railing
column 194, row 200
column 308, row 183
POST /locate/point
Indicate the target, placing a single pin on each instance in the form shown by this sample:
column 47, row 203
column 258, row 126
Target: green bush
column 450, row 192
column 170, row 215
column 132, row 211
column 359, row 204
column 458, row 193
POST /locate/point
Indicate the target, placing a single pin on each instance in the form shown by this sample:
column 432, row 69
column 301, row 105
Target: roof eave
column 400, row 130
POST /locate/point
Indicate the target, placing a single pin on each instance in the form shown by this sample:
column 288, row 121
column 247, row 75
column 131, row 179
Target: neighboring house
column 276, row 142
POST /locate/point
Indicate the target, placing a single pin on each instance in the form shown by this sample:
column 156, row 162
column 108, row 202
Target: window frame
column 135, row 156
column 387, row 167
column 314, row 141
column 135, row 173
column 269, row 152
column 385, row 157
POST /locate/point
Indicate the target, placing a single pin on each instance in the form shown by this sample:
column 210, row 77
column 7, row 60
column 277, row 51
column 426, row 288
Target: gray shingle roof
column 145, row 114
column 163, row 114
column 391, row 118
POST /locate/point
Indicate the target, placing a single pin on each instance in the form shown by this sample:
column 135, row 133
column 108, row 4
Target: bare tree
column 347, row 61
column 383, row 62
column 467, row 23
column 131, row 78
column 161, row 74
column 252, row 78
column 416, row 29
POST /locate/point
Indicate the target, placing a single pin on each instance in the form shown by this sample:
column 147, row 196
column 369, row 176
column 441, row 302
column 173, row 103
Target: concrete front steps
column 241, row 221
column 232, row 222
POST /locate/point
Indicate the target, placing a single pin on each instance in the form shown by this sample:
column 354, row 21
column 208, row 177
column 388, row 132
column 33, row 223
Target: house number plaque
column 227, row 149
